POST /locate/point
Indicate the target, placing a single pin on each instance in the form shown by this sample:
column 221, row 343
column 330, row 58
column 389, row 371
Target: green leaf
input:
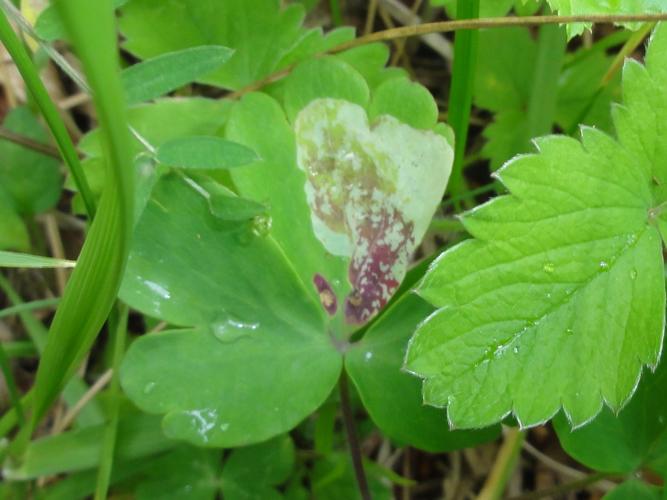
column 14, row 259
column 636, row 490
column 49, row 26
column 263, row 36
column 604, row 7
column 162, row 74
column 204, row 152
column 325, row 77
column 259, row 336
column 138, row 437
column 226, row 205
column 408, row 101
column 259, row 122
column 629, row 441
column 14, row 234
column 252, row 471
column 333, row 478
column 31, row 180
column 395, row 177
column 185, row 472
column 576, row 246
column 374, row 364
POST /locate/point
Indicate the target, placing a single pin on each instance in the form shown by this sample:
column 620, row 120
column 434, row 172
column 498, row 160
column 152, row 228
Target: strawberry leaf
column 559, row 300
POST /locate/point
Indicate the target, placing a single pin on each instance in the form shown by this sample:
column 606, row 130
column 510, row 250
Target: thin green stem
column 14, row 396
column 119, row 332
column 29, row 306
column 352, row 438
column 460, row 95
column 504, row 465
column 20, row 349
column 49, row 110
column 29, row 143
column 450, row 26
column 336, row 14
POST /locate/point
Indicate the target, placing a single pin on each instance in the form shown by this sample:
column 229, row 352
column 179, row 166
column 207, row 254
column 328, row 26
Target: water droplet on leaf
column 549, row 267
column 229, row 328
column 261, row 225
column 604, row 265
column 633, row 274
column 148, row 388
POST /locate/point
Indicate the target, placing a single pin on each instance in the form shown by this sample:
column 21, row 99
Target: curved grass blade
column 94, row 283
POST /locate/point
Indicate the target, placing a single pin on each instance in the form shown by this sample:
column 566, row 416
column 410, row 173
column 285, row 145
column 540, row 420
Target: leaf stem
column 29, row 143
column 56, row 125
column 352, row 438
column 503, row 466
column 449, row 26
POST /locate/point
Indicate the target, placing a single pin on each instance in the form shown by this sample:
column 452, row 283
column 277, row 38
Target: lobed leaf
column 559, row 300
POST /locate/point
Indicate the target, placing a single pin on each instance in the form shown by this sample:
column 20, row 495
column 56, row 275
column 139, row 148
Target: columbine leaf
column 162, row 74
column 559, row 300
column 204, row 152
column 258, row 335
column 395, row 177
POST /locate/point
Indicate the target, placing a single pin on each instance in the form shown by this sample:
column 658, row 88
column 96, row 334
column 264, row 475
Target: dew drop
column 549, row 295
column 515, row 350
column 148, row 388
column 631, row 239
column 368, row 355
column 224, row 426
column 604, row 265
column 569, row 331
column 549, row 267
column 661, row 419
column 261, row 225
column 633, row 274
column 229, row 328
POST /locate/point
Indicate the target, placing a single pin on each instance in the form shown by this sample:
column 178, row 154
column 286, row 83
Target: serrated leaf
column 167, row 72
column 559, row 300
column 374, row 364
column 624, row 443
column 14, row 259
column 204, row 152
column 395, row 177
column 258, row 336
column 604, row 7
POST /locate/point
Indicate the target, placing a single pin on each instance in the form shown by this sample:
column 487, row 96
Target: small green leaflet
column 372, row 191
column 559, row 300
column 204, row 152
column 162, row 74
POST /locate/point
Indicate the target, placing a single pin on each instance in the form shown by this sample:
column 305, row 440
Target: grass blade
column 17, row 259
column 460, row 95
column 93, row 286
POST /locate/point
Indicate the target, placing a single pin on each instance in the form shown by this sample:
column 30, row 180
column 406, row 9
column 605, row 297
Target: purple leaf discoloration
column 327, row 296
